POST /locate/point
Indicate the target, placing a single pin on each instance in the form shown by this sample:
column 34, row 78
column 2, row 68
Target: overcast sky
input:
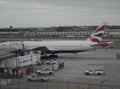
column 44, row 13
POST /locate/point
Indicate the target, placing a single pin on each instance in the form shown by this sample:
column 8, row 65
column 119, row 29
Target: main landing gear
column 53, row 56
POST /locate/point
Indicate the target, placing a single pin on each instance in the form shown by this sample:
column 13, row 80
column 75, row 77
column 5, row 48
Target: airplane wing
column 41, row 48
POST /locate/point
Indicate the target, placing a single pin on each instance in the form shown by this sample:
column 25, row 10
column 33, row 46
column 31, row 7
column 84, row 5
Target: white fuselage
column 63, row 46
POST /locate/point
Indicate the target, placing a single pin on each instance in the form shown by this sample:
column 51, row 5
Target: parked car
column 47, row 71
column 94, row 72
column 35, row 77
column 51, row 62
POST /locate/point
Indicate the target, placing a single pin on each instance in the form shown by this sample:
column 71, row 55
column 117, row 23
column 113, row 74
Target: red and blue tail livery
column 98, row 34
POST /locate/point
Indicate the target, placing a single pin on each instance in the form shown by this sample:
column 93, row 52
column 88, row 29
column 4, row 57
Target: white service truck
column 94, row 72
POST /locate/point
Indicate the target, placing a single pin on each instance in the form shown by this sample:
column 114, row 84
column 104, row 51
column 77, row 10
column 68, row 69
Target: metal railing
column 24, row 84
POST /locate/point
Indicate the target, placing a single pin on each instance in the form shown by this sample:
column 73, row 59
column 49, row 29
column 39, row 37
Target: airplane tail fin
column 97, row 35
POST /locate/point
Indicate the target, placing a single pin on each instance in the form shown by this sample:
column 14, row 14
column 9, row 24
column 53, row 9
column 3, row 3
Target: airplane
column 55, row 47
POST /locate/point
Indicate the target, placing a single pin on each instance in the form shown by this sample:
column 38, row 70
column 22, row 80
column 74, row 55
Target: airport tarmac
column 76, row 65
column 73, row 72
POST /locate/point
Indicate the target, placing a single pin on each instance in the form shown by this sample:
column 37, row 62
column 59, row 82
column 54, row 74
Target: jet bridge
column 7, row 53
column 22, row 57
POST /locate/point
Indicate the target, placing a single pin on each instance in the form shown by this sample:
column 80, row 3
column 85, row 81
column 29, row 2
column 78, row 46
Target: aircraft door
column 56, row 46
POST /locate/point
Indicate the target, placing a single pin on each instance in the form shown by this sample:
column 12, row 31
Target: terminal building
column 33, row 33
column 114, row 33
column 71, row 32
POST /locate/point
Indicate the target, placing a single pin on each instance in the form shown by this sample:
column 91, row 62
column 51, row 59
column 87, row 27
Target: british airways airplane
column 55, row 47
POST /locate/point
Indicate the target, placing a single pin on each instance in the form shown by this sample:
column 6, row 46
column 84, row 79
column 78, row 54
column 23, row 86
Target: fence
column 24, row 84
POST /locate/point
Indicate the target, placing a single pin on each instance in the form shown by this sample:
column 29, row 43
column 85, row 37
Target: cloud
column 75, row 6
column 58, row 12
column 3, row 1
